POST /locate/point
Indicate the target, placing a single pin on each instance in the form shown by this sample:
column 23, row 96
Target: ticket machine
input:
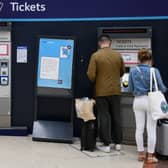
column 127, row 41
column 5, row 74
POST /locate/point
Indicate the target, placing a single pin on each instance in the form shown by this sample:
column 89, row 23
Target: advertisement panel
column 55, row 63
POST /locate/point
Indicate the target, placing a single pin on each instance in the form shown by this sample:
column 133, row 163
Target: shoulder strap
column 153, row 77
column 141, row 75
column 151, row 80
column 138, row 69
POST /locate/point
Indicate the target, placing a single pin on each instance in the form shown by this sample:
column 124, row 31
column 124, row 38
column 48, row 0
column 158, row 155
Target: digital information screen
column 55, row 63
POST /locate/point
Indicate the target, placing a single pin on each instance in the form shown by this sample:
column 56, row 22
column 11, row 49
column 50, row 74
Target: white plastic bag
column 157, row 102
column 84, row 109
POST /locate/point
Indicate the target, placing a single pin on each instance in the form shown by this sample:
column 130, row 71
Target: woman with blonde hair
column 139, row 84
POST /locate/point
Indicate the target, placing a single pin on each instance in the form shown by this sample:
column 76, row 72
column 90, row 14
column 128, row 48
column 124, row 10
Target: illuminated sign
column 55, row 63
column 82, row 10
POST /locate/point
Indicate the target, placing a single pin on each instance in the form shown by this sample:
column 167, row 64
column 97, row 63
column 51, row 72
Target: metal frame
column 63, row 130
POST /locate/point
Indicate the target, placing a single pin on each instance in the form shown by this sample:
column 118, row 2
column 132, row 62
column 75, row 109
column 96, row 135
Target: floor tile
column 22, row 152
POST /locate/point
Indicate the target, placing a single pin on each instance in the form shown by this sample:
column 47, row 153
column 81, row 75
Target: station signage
column 82, row 10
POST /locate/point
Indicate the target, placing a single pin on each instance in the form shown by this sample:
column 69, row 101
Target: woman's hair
column 144, row 55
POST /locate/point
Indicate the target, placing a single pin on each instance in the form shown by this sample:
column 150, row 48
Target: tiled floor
column 22, row 152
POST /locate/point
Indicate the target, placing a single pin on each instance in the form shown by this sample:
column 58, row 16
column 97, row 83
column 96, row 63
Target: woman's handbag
column 157, row 102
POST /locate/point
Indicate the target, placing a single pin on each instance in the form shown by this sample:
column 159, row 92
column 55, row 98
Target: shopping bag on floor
column 84, row 109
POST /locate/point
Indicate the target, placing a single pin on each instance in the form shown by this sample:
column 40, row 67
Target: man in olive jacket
column 105, row 69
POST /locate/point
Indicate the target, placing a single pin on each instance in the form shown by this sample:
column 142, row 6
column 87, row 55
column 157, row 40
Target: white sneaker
column 105, row 149
column 118, row 147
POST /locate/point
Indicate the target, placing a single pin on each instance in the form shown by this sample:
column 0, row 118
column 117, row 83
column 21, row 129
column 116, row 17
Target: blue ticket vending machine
column 54, row 106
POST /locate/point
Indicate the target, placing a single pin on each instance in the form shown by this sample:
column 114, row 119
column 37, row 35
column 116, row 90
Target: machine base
column 14, row 131
column 52, row 131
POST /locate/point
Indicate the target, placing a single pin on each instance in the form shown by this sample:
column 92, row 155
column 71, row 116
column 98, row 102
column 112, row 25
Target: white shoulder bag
column 157, row 102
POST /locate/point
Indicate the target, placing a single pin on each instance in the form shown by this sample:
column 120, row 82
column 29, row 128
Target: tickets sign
column 82, row 10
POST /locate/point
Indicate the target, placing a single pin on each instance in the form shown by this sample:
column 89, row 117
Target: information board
column 55, row 63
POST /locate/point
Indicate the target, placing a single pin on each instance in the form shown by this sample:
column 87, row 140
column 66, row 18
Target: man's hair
column 144, row 55
column 104, row 37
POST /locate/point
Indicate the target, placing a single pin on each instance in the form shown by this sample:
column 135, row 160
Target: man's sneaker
column 105, row 149
column 118, row 147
